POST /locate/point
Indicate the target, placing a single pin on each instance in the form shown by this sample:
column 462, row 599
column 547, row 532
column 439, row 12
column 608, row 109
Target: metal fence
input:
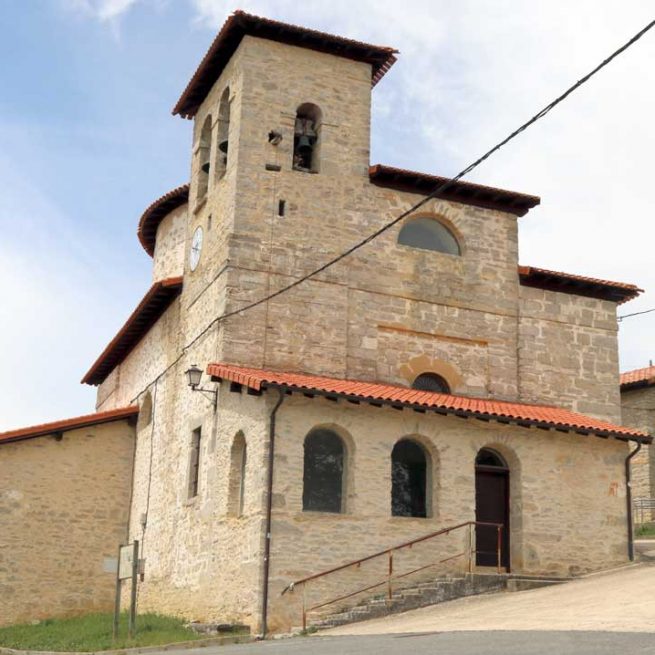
column 643, row 510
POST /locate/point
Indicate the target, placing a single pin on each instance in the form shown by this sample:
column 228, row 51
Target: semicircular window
column 488, row 457
column 428, row 234
column 431, row 382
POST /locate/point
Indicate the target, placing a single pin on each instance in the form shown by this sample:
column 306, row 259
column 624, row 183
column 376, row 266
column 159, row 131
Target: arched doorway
column 491, row 506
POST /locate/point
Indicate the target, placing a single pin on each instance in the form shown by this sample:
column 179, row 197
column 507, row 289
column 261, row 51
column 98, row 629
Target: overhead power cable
column 434, row 194
column 646, row 311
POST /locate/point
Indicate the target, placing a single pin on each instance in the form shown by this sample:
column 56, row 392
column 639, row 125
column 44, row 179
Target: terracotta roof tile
column 159, row 297
column 158, row 210
column 640, row 377
column 543, row 278
column 69, row 424
column 240, row 23
column 522, row 413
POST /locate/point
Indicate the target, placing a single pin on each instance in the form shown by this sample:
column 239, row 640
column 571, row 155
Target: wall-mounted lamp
column 274, row 138
column 194, row 375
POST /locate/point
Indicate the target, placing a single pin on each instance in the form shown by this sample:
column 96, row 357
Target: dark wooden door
column 491, row 505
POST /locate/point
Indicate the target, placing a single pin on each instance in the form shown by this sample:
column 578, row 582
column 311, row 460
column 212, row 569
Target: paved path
column 451, row 643
column 619, row 601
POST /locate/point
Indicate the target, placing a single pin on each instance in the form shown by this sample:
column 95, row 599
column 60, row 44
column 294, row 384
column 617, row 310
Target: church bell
column 304, row 144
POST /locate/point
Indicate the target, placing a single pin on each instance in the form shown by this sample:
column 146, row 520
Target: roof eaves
column 467, row 193
column 258, row 382
column 540, row 278
column 153, row 215
column 241, row 23
column 152, row 306
column 66, row 425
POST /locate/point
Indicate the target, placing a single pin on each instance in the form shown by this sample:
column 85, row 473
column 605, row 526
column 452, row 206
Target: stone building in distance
column 638, row 410
column 424, row 381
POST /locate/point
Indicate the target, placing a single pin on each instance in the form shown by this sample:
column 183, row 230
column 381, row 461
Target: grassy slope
column 93, row 632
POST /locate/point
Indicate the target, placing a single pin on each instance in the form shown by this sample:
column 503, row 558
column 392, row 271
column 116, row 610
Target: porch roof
column 640, row 377
column 523, row 414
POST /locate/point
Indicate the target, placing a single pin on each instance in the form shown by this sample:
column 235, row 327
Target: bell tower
column 281, row 148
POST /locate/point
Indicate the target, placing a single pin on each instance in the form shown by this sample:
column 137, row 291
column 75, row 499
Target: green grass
column 645, row 530
column 93, row 632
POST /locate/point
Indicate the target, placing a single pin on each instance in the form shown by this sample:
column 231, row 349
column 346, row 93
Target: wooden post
column 117, row 600
column 135, row 569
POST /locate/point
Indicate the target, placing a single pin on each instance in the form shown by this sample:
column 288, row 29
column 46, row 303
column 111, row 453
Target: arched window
column 431, row 382
column 204, row 148
column 409, row 474
column 145, row 412
column 223, row 133
column 306, row 138
column 323, row 472
column 488, row 457
column 237, row 480
column 428, row 234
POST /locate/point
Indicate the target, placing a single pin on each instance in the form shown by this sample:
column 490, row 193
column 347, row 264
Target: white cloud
column 102, row 10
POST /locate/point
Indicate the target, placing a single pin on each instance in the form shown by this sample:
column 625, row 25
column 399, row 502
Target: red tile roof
column 640, row 377
column 149, row 310
column 542, row 278
column 240, row 23
column 375, row 393
column 69, row 424
column 158, row 210
column 464, row 192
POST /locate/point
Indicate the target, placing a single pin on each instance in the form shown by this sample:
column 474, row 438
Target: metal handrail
column 390, row 575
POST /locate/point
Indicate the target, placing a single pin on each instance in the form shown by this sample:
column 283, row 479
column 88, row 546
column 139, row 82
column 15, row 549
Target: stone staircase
column 435, row 591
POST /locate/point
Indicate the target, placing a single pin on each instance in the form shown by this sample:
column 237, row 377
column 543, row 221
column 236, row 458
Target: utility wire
column 438, row 191
column 647, row 311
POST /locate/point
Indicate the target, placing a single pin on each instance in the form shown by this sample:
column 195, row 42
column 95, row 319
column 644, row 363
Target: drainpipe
column 628, row 496
column 269, row 509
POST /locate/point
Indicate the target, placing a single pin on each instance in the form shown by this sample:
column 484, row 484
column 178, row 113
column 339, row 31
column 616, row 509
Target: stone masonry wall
column 203, row 558
column 569, row 352
column 63, row 512
column 553, row 507
column 168, row 258
column 638, row 411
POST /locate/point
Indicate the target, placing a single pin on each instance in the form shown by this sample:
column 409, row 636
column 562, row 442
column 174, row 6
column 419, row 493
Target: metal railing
column 643, row 507
column 391, row 576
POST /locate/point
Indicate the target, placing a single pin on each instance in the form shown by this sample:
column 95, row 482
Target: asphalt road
column 451, row 643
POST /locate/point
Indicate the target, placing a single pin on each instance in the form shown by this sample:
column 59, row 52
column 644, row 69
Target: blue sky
column 87, row 141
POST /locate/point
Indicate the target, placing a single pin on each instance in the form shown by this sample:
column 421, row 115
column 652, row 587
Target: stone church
column 425, row 381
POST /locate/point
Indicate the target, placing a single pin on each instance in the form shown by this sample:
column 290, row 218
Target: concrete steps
column 423, row 594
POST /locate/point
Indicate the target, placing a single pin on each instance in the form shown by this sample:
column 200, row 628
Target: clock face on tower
column 196, row 248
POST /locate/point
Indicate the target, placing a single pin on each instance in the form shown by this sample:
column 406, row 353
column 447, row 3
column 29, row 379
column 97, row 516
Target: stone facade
column 638, row 411
column 386, row 313
column 64, row 507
